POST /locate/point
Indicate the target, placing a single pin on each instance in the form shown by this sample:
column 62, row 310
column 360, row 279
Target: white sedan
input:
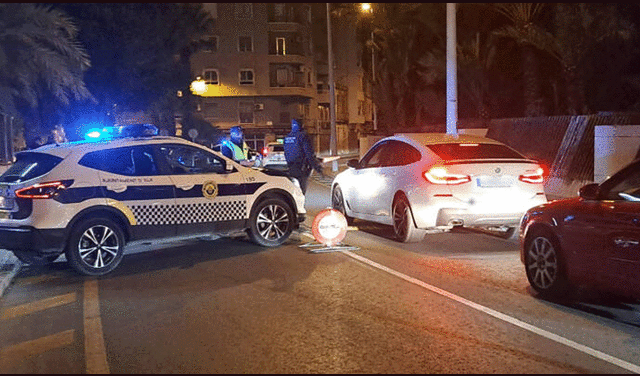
column 422, row 181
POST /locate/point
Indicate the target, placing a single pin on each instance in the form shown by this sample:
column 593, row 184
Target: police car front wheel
column 96, row 247
column 271, row 222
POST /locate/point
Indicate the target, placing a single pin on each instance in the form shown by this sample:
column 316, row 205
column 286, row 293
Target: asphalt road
column 454, row 303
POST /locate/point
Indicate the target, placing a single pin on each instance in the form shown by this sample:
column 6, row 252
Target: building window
column 210, row 77
column 210, row 110
column 281, row 47
column 246, row 77
column 245, row 44
column 245, row 112
column 244, row 11
column 210, row 44
column 285, row 118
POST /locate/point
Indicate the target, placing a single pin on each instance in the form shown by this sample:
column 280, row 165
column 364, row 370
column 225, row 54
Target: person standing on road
column 299, row 154
column 235, row 147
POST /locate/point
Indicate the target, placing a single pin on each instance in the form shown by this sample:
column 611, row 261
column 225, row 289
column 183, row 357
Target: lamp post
column 332, row 95
column 367, row 8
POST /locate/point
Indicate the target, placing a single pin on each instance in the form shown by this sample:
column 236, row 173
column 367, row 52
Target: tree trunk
column 532, row 99
column 576, row 103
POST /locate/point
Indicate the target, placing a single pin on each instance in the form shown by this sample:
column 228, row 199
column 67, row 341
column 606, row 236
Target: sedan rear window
column 29, row 165
column 454, row 151
column 278, row 148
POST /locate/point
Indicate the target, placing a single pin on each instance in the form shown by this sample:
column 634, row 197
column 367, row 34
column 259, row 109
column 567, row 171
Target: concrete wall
column 615, row 146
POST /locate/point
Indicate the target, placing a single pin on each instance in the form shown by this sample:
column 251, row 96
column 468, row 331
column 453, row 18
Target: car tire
column 271, row 222
column 95, row 247
column 404, row 229
column 544, row 265
column 34, row 258
column 337, row 202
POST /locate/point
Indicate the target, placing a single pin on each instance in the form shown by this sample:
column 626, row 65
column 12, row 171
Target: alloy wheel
column 273, row 222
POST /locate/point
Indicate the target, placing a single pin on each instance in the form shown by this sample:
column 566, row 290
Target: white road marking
column 95, row 352
column 501, row 316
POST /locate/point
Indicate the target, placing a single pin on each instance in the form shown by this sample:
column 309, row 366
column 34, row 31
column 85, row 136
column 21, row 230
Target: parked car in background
column 273, row 154
column 87, row 199
column 592, row 240
column 417, row 182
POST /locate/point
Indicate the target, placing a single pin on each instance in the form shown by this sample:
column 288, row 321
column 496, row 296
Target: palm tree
column 531, row 38
column 579, row 30
column 408, row 50
column 39, row 57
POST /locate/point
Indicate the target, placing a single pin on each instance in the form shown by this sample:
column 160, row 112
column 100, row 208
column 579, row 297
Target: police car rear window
column 29, row 165
column 453, row 151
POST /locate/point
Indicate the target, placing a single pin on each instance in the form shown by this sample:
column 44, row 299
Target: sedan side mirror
column 353, row 163
column 589, row 191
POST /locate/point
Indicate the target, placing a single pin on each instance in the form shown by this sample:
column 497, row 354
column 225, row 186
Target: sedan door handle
column 186, row 187
column 117, row 188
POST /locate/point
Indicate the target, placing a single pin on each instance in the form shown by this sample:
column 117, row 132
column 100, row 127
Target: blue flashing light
column 93, row 134
column 107, row 133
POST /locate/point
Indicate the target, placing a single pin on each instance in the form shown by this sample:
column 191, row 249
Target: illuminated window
column 210, row 76
column 244, row 11
column 281, row 48
column 245, row 44
column 246, row 77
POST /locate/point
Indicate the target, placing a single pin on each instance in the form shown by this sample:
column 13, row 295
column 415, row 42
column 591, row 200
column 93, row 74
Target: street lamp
column 367, row 8
column 199, row 86
column 333, row 142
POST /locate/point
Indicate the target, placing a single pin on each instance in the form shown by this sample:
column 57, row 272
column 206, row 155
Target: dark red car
column 592, row 240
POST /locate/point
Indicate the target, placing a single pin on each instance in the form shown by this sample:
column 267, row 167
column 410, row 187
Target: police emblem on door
column 210, row 189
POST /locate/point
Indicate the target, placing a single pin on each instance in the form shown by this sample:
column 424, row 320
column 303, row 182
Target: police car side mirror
column 228, row 167
column 353, row 163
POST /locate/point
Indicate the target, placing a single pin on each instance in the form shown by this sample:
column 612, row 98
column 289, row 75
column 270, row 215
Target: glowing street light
column 367, row 8
column 198, row 87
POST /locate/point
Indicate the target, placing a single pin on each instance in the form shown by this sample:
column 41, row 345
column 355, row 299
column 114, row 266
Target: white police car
column 88, row 199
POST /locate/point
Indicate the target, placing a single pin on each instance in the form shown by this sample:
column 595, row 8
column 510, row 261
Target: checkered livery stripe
column 189, row 213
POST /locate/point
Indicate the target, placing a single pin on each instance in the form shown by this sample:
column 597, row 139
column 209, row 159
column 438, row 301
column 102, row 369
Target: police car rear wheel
column 271, row 222
column 96, row 247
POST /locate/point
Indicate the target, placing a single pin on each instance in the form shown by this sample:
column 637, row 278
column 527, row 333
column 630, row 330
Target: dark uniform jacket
column 299, row 154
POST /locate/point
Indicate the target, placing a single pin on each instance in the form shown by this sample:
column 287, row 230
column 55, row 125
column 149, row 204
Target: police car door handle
column 117, row 188
column 185, row 187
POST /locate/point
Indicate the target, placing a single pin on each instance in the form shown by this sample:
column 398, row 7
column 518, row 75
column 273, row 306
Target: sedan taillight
column 533, row 177
column 440, row 175
column 42, row 190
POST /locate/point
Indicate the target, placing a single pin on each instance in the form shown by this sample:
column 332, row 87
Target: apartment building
column 266, row 64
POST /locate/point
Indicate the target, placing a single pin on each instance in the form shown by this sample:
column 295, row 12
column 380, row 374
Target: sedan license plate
column 493, row 182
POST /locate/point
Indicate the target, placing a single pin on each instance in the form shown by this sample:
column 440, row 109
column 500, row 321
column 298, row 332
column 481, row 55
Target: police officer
column 299, row 154
column 235, row 147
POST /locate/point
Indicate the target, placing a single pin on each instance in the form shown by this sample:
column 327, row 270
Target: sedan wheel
column 403, row 227
column 543, row 266
column 337, row 202
column 271, row 222
column 96, row 247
